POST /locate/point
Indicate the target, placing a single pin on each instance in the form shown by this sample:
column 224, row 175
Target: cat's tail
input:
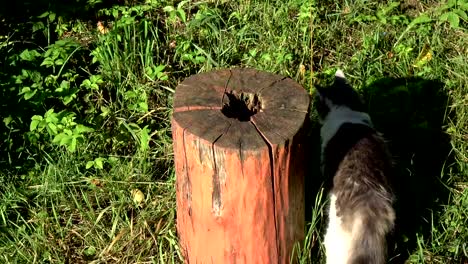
column 370, row 236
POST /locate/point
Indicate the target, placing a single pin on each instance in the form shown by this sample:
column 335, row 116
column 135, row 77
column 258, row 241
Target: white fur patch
column 339, row 241
column 338, row 116
column 340, row 73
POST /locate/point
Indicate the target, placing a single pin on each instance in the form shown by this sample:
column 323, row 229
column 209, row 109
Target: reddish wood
column 240, row 184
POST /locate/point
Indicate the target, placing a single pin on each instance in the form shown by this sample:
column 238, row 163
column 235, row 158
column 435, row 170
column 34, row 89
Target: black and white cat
column 355, row 156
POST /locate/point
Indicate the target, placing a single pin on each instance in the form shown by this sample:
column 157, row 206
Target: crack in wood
column 272, row 171
column 225, row 88
column 195, row 108
column 283, row 137
column 216, row 199
column 186, row 183
column 271, row 84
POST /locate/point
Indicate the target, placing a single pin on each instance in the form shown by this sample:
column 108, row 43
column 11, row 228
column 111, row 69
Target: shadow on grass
column 410, row 113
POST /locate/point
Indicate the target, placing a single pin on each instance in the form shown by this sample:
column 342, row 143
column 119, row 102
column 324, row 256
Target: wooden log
column 240, row 166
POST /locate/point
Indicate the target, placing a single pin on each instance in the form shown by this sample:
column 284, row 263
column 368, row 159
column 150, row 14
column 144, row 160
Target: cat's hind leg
column 338, row 239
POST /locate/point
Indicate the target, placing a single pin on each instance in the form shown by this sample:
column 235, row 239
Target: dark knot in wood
column 241, row 106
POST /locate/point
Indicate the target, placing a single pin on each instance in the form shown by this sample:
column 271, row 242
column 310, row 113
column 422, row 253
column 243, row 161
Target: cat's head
column 340, row 93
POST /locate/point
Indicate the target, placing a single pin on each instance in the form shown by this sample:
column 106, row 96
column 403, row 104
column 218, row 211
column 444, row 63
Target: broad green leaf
column 443, row 17
column 67, row 99
column 7, row 120
column 49, row 112
column 65, row 140
column 51, row 116
column 182, row 3
column 29, row 94
column 89, row 164
column 59, row 62
column 36, row 85
column 130, row 94
column 148, row 70
column 159, row 68
column 94, row 60
column 187, row 56
column 96, row 79
column 112, row 160
column 98, row 163
column 452, row 3
column 72, row 145
column 168, row 9
column 36, row 117
column 43, row 14
column 182, row 15
column 143, row 106
column 104, row 111
column 162, row 76
column 90, row 251
column 29, row 55
column 50, row 79
column 38, row 26
column 200, row 59
column 144, row 139
column 463, row 6
column 453, row 19
column 24, row 90
column 424, row 18
column 64, row 85
column 66, row 43
column 67, row 131
column 59, row 138
column 33, row 125
column 461, row 13
column 52, row 17
column 47, row 53
column 53, row 128
column 48, row 62
column 79, row 129
column 86, row 83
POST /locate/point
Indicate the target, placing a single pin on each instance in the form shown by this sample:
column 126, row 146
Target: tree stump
column 240, row 166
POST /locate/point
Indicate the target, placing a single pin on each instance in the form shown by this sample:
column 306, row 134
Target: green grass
column 67, row 193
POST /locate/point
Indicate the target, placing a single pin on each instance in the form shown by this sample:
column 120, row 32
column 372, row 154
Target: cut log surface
column 240, row 166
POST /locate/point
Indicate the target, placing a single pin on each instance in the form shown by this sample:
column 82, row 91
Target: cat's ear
column 322, row 102
column 347, row 94
column 340, row 74
column 341, row 81
column 319, row 92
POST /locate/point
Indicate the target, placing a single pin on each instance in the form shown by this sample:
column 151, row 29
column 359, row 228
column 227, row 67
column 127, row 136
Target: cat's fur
column 355, row 156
